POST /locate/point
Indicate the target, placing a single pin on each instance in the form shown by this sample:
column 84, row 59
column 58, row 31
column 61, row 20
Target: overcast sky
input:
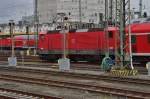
column 14, row 9
column 146, row 5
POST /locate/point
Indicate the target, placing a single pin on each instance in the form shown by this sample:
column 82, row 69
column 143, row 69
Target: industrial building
column 86, row 11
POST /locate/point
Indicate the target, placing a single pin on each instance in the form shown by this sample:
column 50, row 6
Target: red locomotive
column 84, row 44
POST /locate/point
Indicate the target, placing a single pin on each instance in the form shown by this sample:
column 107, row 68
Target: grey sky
column 14, row 9
column 146, row 3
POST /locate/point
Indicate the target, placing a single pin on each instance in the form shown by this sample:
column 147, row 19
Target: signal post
column 12, row 60
column 64, row 62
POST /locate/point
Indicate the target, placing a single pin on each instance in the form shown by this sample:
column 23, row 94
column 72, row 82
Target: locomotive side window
column 133, row 39
column 148, row 38
column 110, row 34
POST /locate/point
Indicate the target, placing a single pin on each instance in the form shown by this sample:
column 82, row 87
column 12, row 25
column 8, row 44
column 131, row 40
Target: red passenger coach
column 141, row 41
column 5, row 43
column 82, row 44
column 25, row 41
column 21, row 42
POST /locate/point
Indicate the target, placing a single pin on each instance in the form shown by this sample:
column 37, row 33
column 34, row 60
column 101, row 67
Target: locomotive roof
column 80, row 30
column 139, row 28
column 25, row 37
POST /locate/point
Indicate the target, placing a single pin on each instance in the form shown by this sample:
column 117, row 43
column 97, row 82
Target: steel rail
column 130, row 93
column 16, row 94
column 106, row 77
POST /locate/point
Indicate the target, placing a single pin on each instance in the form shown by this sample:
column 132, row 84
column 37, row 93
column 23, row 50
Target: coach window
column 110, row 34
column 133, row 39
column 148, row 38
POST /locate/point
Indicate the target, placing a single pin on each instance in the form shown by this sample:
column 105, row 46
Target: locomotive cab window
column 133, row 39
column 110, row 34
column 148, row 38
column 42, row 37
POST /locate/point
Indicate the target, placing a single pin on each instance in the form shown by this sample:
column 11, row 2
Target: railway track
column 130, row 93
column 82, row 86
column 74, row 66
column 35, row 61
column 106, row 77
column 17, row 94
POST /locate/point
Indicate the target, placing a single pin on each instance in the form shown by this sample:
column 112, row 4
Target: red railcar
column 81, row 44
column 25, row 41
column 140, row 36
column 5, row 43
column 21, row 42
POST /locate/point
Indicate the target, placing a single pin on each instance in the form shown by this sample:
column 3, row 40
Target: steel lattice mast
column 36, row 23
column 106, row 28
column 111, row 11
column 121, row 18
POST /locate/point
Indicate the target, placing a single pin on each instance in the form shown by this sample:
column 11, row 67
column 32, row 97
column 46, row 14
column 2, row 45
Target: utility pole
column 64, row 62
column 129, row 30
column 80, row 13
column 110, row 10
column 117, row 19
column 122, row 31
column 140, row 8
column 28, row 40
column 27, row 33
column 12, row 60
column 106, row 29
column 36, row 22
column 121, row 22
column 11, row 24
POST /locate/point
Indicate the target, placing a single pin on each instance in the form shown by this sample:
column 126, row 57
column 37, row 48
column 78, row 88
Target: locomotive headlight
column 42, row 48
